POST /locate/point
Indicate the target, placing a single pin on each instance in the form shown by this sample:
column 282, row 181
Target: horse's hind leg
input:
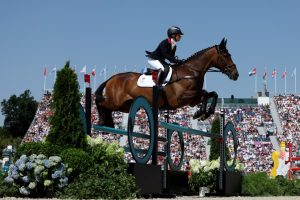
column 105, row 116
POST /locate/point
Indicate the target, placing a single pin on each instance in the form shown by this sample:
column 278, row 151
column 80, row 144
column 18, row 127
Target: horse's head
column 224, row 62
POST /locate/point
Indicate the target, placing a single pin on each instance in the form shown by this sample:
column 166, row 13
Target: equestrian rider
column 165, row 50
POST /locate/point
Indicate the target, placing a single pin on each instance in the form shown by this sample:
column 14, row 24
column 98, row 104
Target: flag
column 284, row 74
column 87, row 78
column 252, row 72
column 294, row 73
column 53, row 70
column 93, row 73
column 265, row 75
column 83, row 70
column 45, row 72
column 273, row 73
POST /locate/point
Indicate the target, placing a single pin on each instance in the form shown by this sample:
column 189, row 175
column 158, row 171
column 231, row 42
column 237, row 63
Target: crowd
column 254, row 147
column 288, row 108
column 40, row 127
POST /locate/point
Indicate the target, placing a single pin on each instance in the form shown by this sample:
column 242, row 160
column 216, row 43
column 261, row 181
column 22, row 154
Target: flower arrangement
column 206, row 166
column 204, row 173
column 94, row 141
column 38, row 175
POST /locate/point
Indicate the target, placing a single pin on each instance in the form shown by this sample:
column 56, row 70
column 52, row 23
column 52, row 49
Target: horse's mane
column 198, row 53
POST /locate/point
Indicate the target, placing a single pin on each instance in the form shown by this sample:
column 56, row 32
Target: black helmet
column 174, row 30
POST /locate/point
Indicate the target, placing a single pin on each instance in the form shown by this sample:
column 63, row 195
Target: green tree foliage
column 7, row 139
column 66, row 127
column 214, row 148
column 215, row 143
column 19, row 112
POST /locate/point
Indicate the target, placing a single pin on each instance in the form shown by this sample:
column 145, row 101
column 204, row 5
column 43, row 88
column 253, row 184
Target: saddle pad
column 146, row 80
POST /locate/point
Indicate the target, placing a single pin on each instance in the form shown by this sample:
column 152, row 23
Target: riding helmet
column 174, row 30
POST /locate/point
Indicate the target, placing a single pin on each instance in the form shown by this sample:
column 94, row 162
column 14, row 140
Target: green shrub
column 44, row 148
column 290, row 187
column 7, row 190
column 109, row 156
column 106, row 178
column 92, row 185
column 77, row 159
column 260, row 184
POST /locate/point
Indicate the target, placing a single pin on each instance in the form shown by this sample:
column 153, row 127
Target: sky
column 36, row 33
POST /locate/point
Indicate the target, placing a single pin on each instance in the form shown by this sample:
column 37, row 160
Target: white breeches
column 155, row 64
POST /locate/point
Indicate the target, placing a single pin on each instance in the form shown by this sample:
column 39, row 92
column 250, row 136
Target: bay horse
column 184, row 88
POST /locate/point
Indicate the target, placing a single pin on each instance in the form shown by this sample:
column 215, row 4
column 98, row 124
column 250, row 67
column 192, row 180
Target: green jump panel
column 124, row 132
column 175, row 127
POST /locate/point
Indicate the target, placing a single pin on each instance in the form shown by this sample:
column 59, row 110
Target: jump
column 184, row 88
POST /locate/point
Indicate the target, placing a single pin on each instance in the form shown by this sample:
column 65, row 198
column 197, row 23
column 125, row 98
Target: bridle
column 227, row 68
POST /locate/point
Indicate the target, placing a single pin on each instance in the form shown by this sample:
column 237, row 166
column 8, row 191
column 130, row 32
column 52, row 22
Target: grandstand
column 260, row 125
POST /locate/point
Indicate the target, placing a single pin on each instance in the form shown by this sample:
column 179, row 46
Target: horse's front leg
column 212, row 108
column 203, row 104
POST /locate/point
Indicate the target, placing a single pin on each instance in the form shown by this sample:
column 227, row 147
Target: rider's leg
column 163, row 70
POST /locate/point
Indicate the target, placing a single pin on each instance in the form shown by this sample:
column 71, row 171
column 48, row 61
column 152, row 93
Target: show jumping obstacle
column 152, row 152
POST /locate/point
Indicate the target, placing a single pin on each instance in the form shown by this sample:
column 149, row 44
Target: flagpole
column 295, row 79
column 275, row 82
column 45, row 75
column 255, row 84
column 95, row 77
column 284, row 81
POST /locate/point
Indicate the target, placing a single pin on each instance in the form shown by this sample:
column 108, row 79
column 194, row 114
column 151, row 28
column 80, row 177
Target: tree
column 7, row 139
column 19, row 113
column 215, row 143
column 66, row 126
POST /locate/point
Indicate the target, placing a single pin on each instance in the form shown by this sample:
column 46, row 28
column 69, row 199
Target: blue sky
column 35, row 33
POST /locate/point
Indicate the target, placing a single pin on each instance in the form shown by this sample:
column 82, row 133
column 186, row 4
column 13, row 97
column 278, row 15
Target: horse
column 184, row 87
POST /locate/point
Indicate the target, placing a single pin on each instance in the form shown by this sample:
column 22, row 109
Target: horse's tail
column 99, row 92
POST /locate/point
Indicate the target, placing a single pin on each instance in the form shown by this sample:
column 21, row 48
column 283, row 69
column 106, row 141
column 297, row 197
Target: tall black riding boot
column 162, row 75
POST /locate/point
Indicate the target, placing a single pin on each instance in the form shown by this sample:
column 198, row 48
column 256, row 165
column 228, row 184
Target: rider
column 165, row 50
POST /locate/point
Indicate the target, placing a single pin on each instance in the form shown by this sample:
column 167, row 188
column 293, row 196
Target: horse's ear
column 222, row 43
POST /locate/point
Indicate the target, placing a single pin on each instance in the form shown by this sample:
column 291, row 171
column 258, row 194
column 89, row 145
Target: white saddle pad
column 146, row 80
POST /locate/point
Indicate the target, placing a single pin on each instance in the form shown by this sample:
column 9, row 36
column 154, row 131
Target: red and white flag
column 252, row 72
column 273, row 73
column 284, row 74
column 45, row 71
column 93, row 73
